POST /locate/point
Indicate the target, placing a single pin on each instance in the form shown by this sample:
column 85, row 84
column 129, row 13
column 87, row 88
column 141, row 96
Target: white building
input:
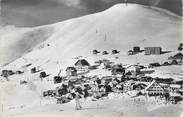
column 175, row 88
column 128, row 86
column 154, row 89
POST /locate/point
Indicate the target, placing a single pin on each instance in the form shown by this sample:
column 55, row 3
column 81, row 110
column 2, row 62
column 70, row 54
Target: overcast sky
column 41, row 12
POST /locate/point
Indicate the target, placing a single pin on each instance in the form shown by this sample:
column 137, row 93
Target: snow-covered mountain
column 49, row 47
column 120, row 27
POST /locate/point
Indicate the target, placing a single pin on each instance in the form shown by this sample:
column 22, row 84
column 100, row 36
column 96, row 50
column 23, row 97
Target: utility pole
column 0, row 13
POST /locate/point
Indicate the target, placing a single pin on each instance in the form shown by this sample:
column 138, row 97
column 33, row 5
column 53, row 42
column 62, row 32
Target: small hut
column 136, row 49
column 71, row 71
column 105, row 53
column 95, row 52
column 19, row 72
column 33, row 70
column 174, row 62
column 5, row 73
column 115, row 51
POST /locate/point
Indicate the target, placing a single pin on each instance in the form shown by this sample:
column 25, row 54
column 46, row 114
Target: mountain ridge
column 116, row 23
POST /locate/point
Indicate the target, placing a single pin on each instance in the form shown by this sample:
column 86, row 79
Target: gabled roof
column 177, row 56
column 153, row 82
column 82, row 62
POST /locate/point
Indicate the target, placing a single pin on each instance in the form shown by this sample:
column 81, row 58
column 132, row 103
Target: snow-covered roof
column 151, row 84
column 175, row 86
column 174, row 94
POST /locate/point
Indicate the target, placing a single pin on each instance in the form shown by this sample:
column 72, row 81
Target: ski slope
column 120, row 27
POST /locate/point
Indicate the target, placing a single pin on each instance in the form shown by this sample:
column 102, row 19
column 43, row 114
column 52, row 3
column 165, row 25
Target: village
column 131, row 80
column 91, row 58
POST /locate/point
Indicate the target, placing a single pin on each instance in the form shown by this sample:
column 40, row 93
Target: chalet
column 166, row 87
column 153, row 50
column 154, row 88
column 6, row 73
column 136, row 49
column 175, row 97
column 174, row 62
column 33, row 70
column 134, row 69
column 71, row 71
column 178, row 57
column 118, row 69
column 95, row 52
column 128, row 85
column 174, row 88
column 57, row 79
column 19, row 72
column 43, row 75
column 165, row 81
column 82, row 65
column 105, row 53
column 49, row 93
column 107, row 64
column 130, row 52
column 115, row 51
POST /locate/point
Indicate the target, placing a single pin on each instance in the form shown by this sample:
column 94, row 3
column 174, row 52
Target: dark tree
column 180, row 48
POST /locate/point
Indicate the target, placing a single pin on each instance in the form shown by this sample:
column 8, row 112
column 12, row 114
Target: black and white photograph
column 91, row 58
